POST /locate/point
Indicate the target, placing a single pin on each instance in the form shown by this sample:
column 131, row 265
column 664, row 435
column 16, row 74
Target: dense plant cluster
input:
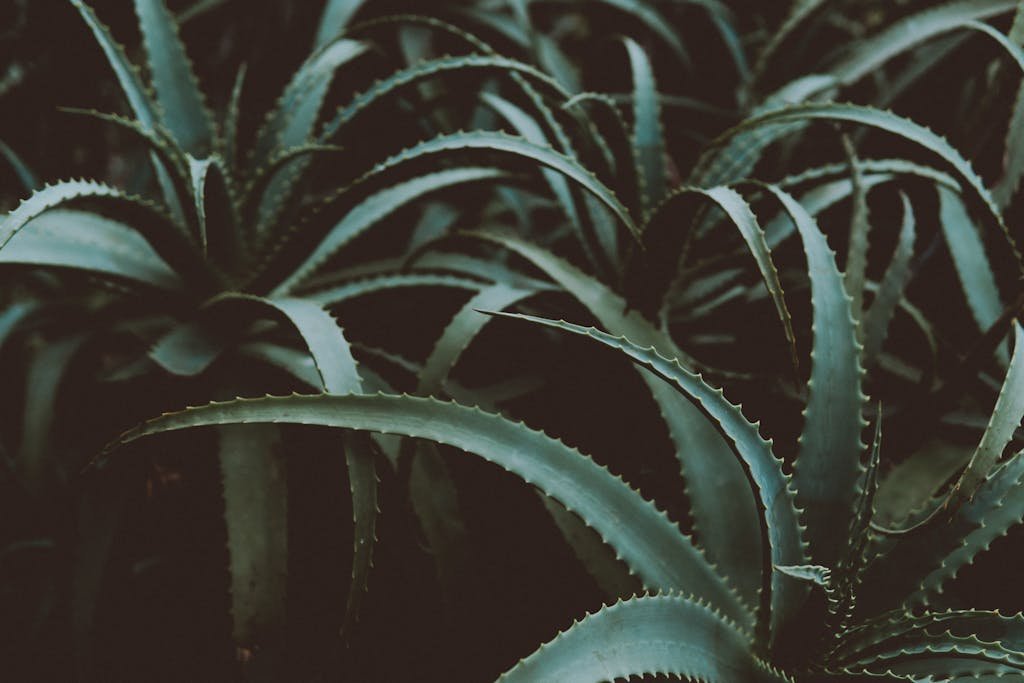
column 370, row 340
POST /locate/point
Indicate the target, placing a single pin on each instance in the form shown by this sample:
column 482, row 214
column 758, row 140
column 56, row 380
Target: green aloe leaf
column 147, row 219
column 828, row 468
column 740, row 214
column 375, row 208
column 644, row 537
column 977, row 279
column 665, row 635
column 913, row 30
column 139, row 98
column 1005, row 418
column 515, row 148
column 467, row 323
column 891, row 289
column 127, row 74
column 334, row 19
column 648, row 137
column 64, row 238
column 1013, row 147
column 874, row 118
column 780, row 520
column 432, row 69
column 182, row 106
column 333, row 361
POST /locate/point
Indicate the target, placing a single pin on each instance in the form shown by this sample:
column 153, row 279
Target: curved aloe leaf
column 890, row 291
column 462, row 329
column 164, row 237
column 648, row 138
column 1013, row 147
column 779, row 517
column 1005, row 418
column 64, row 238
column 357, row 288
column 644, row 537
column 431, row 69
column 828, row 468
column 665, row 635
column 656, row 23
column 333, row 361
column 127, row 74
column 526, row 126
column 972, row 265
column 333, row 20
column 256, row 516
column 882, row 120
column 182, row 106
column 740, row 214
column 46, row 370
column 503, row 144
column 914, row 30
column 377, row 207
column 135, row 91
column 292, row 122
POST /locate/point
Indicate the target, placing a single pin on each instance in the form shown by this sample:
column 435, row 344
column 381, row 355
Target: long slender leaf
column 828, row 469
column 182, row 106
column 779, row 517
column 644, row 537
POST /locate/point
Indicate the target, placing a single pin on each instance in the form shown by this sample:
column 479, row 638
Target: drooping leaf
column 874, row 118
column 644, row 537
column 914, row 29
column 431, row 69
column 780, row 522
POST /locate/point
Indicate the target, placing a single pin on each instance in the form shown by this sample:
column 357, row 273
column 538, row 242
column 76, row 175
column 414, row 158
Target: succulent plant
column 565, row 174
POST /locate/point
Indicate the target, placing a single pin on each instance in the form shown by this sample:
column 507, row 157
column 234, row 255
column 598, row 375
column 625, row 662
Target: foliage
column 356, row 264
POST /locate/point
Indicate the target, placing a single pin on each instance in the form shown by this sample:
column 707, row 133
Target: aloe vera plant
column 328, row 284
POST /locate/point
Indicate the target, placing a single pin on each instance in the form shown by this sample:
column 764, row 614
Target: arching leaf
column 668, row 635
column 644, row 537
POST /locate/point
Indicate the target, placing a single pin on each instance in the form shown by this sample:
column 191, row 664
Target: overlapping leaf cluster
column 436, row 214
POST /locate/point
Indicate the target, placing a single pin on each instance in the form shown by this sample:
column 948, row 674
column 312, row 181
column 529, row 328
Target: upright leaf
column 644, row 537
column 182, row 107
column 828, row 468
